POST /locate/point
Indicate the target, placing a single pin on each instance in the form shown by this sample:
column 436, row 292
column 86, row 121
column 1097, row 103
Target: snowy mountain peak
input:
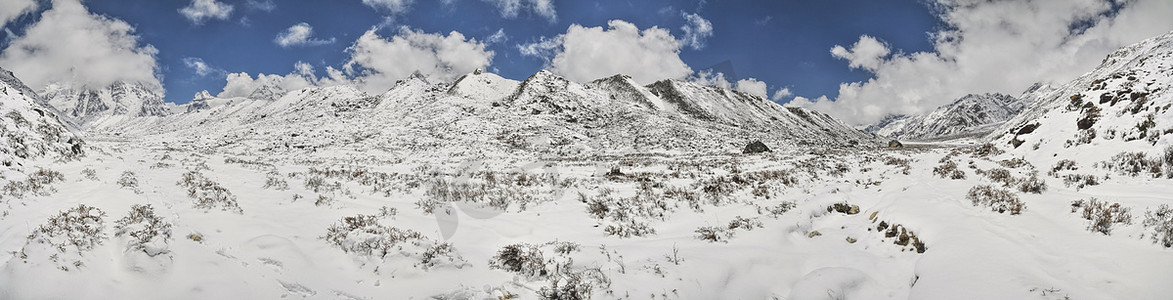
column 86, row 105
column 201, row 96
column 968, row 116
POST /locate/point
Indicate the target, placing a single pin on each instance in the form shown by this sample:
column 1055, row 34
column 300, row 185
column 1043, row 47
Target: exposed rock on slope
column 1122, row 105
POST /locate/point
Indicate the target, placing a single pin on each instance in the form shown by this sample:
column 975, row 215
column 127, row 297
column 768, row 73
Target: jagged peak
column 202, row 95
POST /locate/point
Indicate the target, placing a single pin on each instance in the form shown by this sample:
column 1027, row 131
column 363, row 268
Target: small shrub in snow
column 207, row 193
column 363, row 234
column 524, row 259
column 744, row 223
column 1167, row 160
column 1062, row 165
column 1161, row 222
column 714, row 234
column 38, row 183
column 569, row 287
column 948, row 169
column 986, row 149
column 1000, row 175
column 69, row 234
column 777, row 210
column 1101, row 214
column 275, row 182
column 147, row 232
column 1032, row 184
column 997, row 199
column 90, row 174
column 1133, row 164
column 128, row 180
column 1015, row 163
column 1080, row 181
column 630, row 229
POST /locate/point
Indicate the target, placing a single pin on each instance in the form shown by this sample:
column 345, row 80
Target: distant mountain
column 28, row 130
column 86, row 105
column 544, row 113
column 972, row 115
column 1121, row 106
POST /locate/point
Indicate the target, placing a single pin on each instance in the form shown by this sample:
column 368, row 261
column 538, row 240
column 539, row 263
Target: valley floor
column 342, row 225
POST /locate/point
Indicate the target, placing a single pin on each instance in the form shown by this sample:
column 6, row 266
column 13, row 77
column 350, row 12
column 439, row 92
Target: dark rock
column 895, row 144
column 756, row 147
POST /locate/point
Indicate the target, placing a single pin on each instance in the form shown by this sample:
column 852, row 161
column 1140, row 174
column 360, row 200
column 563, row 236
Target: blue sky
column 782, row 43
column 856, row 59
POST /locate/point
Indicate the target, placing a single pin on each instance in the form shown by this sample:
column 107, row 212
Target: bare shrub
column 714, row 234
column 1032, row 184
column 986, row 149
column 273, row 181
column 69, row 234
column 629, row 229
column 1101, row 214
column 744, row 223
column 207, row 193
column 1080, row 181
column 38, row 183
column 1133, row 164
column 148, row 232
column 777, row 210
column 948, row 169
column 1001, row 175
column 997, row 199
column 90, row 174
column 128, row 180
column 525, row 259
column 1062, row 165
column 1161, row 222
column 363, row 235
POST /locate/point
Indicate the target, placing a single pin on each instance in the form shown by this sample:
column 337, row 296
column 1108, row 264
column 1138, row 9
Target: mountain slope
column 970, row 115
column 1121, row 106
column 29, row 131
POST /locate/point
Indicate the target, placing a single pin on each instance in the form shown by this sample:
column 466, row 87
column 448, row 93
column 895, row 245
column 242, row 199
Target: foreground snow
column 278, row 245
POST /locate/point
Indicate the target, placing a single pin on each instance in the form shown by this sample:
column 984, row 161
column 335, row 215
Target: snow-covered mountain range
column 972, row 115
column 544, row 113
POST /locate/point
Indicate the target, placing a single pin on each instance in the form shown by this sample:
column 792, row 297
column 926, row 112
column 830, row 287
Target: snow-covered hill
column 969, row 116
column 29, row 131
column 1121, row 106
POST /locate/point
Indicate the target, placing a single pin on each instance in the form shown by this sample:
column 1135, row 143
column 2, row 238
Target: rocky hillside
column 968, row 116
column 89, row 105
column 1121, row 107
column 29, row 131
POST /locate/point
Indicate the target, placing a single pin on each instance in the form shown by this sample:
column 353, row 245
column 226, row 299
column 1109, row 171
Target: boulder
column 756, row 147
column 895, row 144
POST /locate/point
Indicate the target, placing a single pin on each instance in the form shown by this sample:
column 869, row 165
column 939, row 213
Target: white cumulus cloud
column 696, row 30
column 200, row 67
column 377, row 62
column 753, row 86
column 300, row 34
column 11, row 9
column 199, row 11
column 990, row 46
column 867, row 53
column 69, row 44
column 587, row 53
column 781, row 94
